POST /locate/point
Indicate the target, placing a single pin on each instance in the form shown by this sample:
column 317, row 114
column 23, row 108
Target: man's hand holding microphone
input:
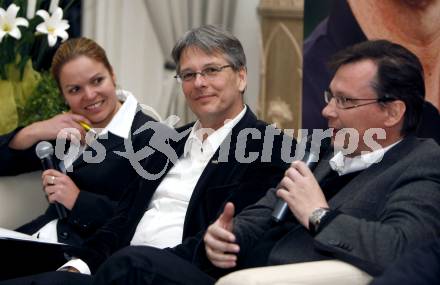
column 298, row 191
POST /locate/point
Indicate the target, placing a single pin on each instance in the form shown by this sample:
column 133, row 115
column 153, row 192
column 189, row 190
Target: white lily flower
column 54, row 26
column 9, row 22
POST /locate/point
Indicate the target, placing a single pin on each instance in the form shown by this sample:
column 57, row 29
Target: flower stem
column 68, row 6
column 42, row 49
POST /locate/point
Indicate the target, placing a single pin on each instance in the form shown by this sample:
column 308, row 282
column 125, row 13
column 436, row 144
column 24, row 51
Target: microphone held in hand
column 44, row 151
column 281, row 208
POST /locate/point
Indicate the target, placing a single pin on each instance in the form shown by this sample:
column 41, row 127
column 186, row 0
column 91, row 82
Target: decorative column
column 281, row 72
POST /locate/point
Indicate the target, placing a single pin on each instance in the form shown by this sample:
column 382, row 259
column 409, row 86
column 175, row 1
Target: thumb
column 227, row 216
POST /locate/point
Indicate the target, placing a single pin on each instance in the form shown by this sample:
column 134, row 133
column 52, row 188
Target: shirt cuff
column 77, row 263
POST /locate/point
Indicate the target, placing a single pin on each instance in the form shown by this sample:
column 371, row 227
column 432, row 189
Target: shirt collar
column 215, row 137
column 344, row 164
column 120, row 125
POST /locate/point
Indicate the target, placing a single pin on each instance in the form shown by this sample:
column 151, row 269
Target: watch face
column 317, row 215
column 315, row 218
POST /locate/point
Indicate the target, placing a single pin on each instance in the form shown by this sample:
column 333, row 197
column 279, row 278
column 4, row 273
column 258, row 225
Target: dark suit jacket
column 385, row 210
column 101, row 184
column 419, row 267
column 241, row 183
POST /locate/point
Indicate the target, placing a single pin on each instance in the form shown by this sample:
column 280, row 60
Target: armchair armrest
column 307, row 273
column 21, row 199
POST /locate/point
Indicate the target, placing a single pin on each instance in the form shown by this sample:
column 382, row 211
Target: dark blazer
column 420, row 266
column 240, row 183
column 101, row 184
column 385, row 210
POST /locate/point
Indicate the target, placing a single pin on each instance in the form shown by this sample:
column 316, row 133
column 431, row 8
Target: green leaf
column 8, row 110
column 44, row 103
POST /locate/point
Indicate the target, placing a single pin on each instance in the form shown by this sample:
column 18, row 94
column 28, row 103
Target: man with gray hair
column 366, row 207
column 226, row 156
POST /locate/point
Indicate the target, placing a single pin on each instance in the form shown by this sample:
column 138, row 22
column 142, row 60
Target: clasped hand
column 60, row 188
column 64, row 126
column 298, row 188
column 61, row 126
column 301, row 192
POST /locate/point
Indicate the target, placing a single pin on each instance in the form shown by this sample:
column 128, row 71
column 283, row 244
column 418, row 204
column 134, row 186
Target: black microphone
column 44, row 151
column 281, row 208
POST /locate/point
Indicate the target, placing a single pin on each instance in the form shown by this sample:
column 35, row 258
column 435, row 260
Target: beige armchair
column 21, row 199
column 307, row 273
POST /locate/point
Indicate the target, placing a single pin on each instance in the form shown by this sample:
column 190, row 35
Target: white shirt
column 162, row 224
column 120, row 125
column 344, row 164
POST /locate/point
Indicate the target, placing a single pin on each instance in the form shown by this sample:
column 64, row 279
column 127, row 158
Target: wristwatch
column 316, row 218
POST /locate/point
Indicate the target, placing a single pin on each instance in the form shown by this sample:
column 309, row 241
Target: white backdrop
column 124, row 29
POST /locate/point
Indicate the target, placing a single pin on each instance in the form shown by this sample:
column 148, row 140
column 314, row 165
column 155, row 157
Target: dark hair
column 211, row 39
column 399, row 75
column 74, row 48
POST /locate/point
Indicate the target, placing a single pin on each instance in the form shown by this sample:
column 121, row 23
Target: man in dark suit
column 368, row 200
column 227, row 155
column 375, row 209
column 417, row 267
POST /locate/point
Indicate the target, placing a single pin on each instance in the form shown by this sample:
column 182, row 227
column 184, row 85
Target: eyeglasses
column 207, row 73
column 345, row 103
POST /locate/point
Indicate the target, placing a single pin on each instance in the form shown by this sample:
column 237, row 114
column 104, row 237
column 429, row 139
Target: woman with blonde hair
column 92, row 175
